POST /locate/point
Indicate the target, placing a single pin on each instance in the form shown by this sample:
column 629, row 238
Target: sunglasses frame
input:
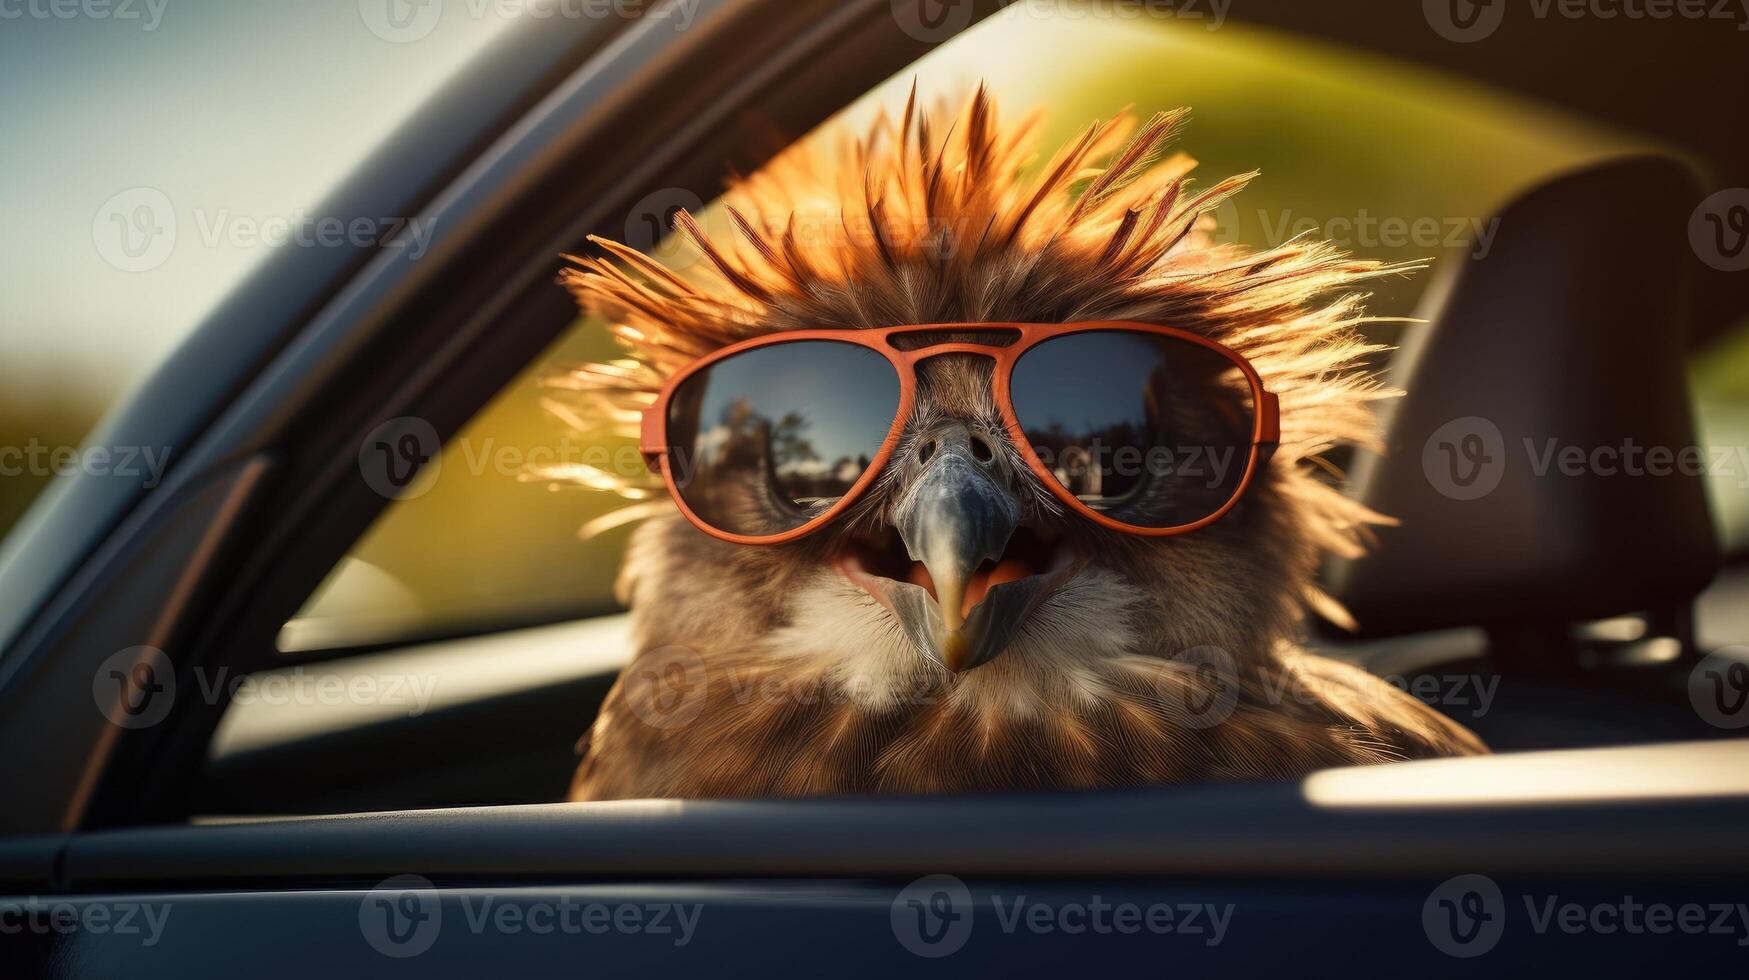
column 1265, row 435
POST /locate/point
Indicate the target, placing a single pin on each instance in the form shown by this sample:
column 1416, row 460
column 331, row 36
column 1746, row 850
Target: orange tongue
column 980, row 583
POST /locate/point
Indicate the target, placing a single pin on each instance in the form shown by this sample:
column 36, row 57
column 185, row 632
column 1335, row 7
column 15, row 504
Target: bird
column 779, row 670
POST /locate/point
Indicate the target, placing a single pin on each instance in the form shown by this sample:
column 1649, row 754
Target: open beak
column 961, row 591
column 955, row 519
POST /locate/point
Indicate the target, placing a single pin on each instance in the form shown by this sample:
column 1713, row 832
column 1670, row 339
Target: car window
column 1388, row 161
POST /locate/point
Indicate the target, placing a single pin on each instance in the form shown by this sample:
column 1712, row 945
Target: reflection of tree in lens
column 788, row 446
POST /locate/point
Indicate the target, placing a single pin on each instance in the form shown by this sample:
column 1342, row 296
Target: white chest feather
column 1066, row 652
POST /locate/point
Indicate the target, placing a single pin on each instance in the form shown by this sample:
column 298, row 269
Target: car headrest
column 1544, row 464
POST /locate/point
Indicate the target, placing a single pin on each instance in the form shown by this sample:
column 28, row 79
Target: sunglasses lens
column 764, row 441
column 1146, row 429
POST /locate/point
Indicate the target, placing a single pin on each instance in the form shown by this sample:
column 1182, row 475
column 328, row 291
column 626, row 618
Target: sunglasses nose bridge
column 948, row 423
column 913, row 364
column 945, row 350
column 914, row 361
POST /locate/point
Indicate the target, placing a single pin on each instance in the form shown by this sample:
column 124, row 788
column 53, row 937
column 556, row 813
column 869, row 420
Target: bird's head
column 969, row 522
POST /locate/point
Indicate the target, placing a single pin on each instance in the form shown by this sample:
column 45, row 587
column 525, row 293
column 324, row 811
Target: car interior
column 1578, row 624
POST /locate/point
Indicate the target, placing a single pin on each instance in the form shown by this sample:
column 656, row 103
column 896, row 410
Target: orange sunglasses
column 756, row 476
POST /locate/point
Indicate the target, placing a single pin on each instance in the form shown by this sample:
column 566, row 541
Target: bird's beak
column 964, row 598
column 955, row 517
